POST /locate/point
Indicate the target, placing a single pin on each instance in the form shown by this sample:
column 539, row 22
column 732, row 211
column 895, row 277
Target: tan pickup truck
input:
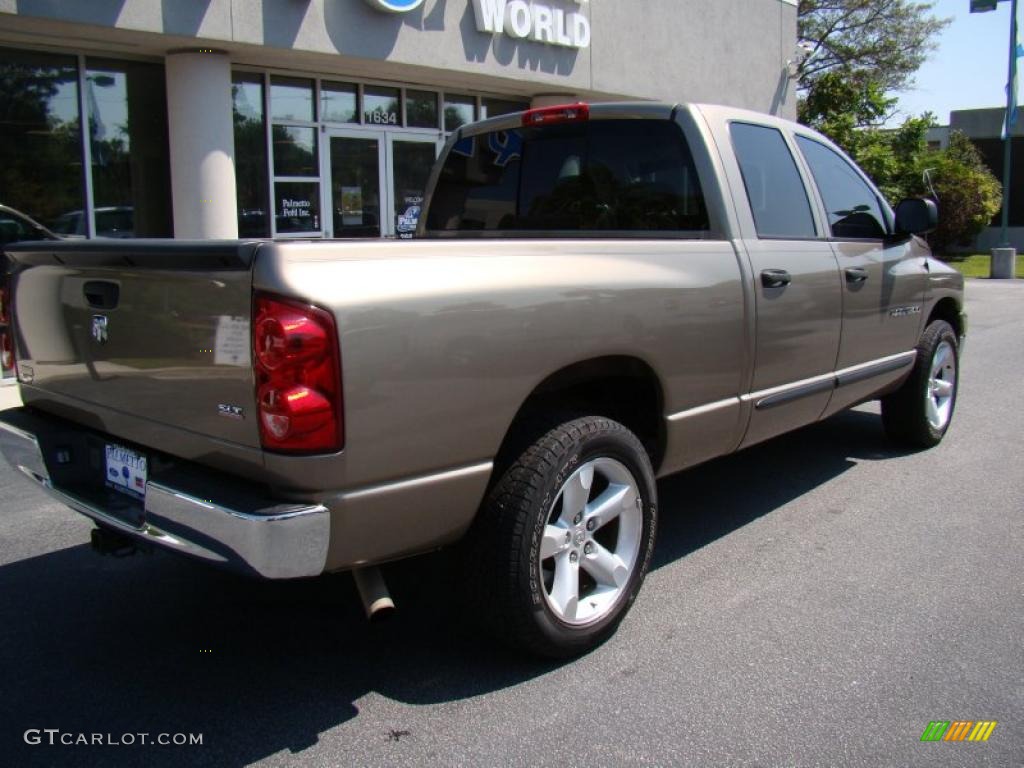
column 599, row 295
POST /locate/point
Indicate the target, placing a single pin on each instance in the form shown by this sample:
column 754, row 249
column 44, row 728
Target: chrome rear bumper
column 282, row 542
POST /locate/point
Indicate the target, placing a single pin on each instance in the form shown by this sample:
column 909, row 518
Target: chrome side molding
column 786, row 393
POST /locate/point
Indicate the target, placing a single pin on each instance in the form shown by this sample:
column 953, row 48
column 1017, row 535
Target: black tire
column 506, row 576
column 905, row 411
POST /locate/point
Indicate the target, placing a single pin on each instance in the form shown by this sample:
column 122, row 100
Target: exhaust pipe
column 374, row 593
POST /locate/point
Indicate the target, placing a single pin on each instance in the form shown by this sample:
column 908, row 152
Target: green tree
column 842, row 101
column 860, row 52
column 967, row 193
column 40, row 151
column 888, row 39
column 899, row 161
column 849, row 108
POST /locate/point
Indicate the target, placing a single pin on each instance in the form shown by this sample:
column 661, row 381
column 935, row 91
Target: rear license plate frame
column 125, row 470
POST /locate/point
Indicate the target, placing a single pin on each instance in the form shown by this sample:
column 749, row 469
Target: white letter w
column 490, row 15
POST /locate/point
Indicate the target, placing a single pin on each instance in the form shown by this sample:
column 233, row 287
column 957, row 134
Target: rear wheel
column 919, row 413
column 565, row 538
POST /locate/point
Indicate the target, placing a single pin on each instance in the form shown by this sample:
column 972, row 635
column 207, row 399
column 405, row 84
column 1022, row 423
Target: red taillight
column 6, row 349
column 6, row 333
column 288, row 337
column 563, row 113
column 298, row 377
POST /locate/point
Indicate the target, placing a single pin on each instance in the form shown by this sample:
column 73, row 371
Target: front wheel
column 919, row 413
column 565, row 538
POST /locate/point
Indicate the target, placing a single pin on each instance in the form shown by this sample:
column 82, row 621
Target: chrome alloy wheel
column 591, row 542
column 941, row 386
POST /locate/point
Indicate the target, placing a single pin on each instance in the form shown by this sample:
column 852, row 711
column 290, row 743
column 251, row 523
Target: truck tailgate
column 158, row 330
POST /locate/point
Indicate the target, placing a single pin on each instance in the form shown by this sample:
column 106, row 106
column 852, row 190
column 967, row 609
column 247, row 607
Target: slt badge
column 99, row 328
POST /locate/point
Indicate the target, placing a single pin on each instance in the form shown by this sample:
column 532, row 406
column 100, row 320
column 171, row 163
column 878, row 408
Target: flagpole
column 1011, row 86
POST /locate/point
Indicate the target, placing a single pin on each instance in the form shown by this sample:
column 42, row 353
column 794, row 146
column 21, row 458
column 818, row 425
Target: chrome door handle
column 775, row 278
column 856, row 275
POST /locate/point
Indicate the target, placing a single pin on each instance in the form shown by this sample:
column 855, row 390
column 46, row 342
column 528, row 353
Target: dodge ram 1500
column 597, row 296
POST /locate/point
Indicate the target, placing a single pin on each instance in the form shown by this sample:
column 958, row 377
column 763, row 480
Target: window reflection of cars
column 111, row 221
column 252, row 222
column 858, row 222
column 297, row 223
column 15, row 226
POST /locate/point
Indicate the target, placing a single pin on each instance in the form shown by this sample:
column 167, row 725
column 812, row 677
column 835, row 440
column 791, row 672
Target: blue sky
column 969, row 68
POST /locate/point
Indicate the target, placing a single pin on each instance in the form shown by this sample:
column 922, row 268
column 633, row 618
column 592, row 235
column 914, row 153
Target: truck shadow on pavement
column 157, row 644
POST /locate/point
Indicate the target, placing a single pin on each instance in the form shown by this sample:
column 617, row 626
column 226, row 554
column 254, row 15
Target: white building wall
column 723, row 51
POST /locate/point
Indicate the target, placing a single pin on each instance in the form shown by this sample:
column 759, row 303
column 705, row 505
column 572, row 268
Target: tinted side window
column 775, row 190
column 607, row 175
column 853, row 209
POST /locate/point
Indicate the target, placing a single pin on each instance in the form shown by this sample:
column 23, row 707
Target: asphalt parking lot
column 814, row 601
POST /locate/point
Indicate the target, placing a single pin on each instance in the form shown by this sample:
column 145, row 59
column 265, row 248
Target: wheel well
column 947, row 309
column 622, row 388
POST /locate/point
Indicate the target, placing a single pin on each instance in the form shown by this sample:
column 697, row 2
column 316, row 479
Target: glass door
column 357, row 179
column 410, row 158
column 376, row 181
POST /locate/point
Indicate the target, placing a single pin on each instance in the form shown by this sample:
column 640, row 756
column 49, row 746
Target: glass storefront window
column 295, row 151
column 291, row 98
column 339, row 102
column 420, row 109
column 250, row 154
column 297, row 204
column 458, row 110
column 496, row 107
column 42, row 149
column 381, row 106
column 127, row 108
column 40, row 143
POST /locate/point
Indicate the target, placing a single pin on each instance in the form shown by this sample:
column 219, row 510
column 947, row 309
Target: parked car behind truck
column 599, row 296
column 14, row 226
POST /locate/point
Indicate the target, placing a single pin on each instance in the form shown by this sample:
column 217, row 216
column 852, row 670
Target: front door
column 410, row 158
column 357, row 173
column 377, row 180
column 883, row 281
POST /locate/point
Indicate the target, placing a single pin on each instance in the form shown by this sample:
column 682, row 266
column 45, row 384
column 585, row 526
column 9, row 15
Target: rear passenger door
column 883, row 283
column 795, row 284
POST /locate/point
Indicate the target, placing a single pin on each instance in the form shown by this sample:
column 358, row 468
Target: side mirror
column 916, row 216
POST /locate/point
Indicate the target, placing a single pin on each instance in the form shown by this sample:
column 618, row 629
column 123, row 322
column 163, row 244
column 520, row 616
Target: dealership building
column 321, row 118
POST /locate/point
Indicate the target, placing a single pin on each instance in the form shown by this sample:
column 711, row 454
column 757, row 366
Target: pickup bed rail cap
column 139, row 253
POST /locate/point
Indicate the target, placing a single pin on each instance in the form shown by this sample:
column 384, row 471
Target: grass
column 978, row 264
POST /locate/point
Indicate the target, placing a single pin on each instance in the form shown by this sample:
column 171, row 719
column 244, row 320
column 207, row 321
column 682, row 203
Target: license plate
column 126, row 471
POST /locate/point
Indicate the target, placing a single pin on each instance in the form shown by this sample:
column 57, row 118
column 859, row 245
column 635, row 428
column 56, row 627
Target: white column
column 202, row 143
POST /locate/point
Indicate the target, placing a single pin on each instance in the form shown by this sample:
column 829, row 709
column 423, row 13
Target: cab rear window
column 602, row 175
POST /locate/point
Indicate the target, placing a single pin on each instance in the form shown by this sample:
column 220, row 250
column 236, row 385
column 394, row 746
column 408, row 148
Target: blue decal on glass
column 507, row 145
column 465, row 146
